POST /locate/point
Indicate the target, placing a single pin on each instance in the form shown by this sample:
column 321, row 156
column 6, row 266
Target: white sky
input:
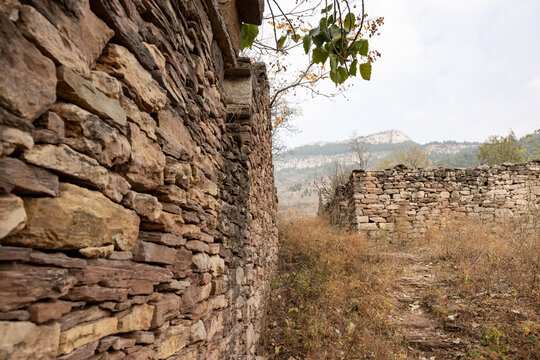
column 450, row 70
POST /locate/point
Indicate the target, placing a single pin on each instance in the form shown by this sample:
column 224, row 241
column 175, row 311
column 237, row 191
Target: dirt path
column 425, row 336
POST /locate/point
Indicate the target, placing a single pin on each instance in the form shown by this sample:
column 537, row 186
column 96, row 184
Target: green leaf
column 281, row 42
column 342, row 75
column 307, row 43
column 364, row 49
column 365, row 71
column 335, row 32
column 349, row 21
column 327, row 9
column 339, row 75
column 295, row 38
column 333, row 62
column 319, row 55
column 353, row 68
column 360, row 46
column 320, row 39
column 249, row 33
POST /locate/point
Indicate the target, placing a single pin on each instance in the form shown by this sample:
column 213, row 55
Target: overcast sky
column 450, row 70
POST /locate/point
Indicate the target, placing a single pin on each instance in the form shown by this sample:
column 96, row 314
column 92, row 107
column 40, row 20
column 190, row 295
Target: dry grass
column 328, row 301
column 492, row 273
column 333, row 295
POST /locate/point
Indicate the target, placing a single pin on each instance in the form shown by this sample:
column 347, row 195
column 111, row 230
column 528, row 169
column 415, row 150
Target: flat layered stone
column 13, row 139
column 174, row 136
column 50, row 40
column 80, row 91
column 12, row 215
column 167, row 222
column 83, row 334
column 25, row 340
column 45, row 311
column 139, row 317
column 81, row 353
column 144, row 204
column 69, row 163
column 77, row 24
column 166, row 308
column 29, row 87
column 20, row 178
column 162, row 238
column 21, row 284
column 145, row 170
column 116, row 187
column 117, row 60
column 97, row 252
column 171, row 194
column 126, row 30
column 77, row 219
column 154, row 253
column 77, row 317
column 120, row 274
column 175, row 339
column 87, row 133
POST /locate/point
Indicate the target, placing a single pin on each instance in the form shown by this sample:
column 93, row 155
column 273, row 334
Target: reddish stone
column 150, row 252
column 166, row 308
column 20, row 178
column 45, row 311
column 97, row 294
column 21, row 284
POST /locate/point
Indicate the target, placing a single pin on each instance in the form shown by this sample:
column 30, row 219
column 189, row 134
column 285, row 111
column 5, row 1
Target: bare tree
column 360, row 147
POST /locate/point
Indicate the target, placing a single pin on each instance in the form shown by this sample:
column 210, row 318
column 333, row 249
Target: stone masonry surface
column 137, row 198
column 413, row 200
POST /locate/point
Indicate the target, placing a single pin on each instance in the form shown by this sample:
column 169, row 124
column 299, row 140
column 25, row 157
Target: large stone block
column 27, row 79
column 77, row 24
column 50, row 40
column 154, row 253
column 145, row 170
column 174, row 135
column 175, row 339
column 83, row 334
column 77, row 219
column 138, row 317
column 80, row 91
column 87, row 133
column 12, row 215
column 118, row 61
column 21, row 285
column 69, row 162
column 13, row 139
column 24, row 340
column 20, row 178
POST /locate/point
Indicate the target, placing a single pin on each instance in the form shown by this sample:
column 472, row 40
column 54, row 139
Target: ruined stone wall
column 415, row 199
column 137, row 199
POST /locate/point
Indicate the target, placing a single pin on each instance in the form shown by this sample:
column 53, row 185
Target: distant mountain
column 296, row 170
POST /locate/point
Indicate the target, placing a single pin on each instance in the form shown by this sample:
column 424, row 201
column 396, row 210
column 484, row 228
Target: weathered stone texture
column 137, row 210
column 413, row 200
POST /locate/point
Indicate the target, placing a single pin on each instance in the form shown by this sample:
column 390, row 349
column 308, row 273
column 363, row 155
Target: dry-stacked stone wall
column 137, row 199
column 413, row 200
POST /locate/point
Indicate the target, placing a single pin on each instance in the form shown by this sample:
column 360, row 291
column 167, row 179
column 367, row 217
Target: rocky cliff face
column 413, row 200
column 137, row 200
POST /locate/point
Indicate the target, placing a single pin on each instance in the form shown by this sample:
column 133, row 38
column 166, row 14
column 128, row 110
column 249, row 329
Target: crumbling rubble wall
column 413, row 200
column 137, row 199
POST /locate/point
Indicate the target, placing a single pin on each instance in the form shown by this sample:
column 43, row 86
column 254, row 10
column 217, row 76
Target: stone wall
column 412, row 200
column 137, row 199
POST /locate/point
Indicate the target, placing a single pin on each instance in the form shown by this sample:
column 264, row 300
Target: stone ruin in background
column 413, row 200
column 137, row 199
